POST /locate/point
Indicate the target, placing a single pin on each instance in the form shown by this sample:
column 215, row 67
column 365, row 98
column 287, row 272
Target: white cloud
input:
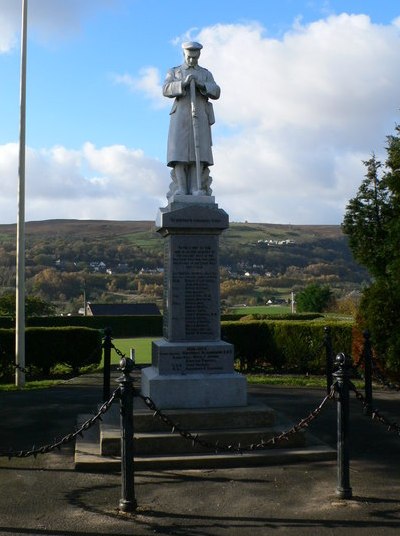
column 295, row 120
column 297, row 115
column 48, row 19
column 112, row 182
column 148, row 82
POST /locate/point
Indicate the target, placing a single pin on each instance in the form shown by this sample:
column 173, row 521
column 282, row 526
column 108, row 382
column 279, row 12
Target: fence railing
column 339, row 385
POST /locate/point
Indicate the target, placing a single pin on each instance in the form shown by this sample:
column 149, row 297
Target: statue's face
column 192, row 57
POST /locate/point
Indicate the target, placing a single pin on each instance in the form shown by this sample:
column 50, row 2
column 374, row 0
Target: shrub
column 71, row 346
column 254, row 344
column 7, row 352
column 284, row 316
column 121, row 326
column 290, row 346
column 47, row 347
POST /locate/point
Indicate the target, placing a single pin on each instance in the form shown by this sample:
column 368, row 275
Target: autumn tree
column 34, row 306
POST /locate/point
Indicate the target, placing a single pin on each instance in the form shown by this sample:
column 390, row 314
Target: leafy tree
column 372, row 222
column 34, row 306
column 366, row 220
column 314, row 299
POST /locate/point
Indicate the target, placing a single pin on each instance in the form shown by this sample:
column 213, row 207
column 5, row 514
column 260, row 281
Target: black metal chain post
column 329, row 358
column 107, row 345
column 367, row 356
column 127, row 502
column 342, row 376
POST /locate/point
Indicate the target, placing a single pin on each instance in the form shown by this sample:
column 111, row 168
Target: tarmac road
column 45, row 496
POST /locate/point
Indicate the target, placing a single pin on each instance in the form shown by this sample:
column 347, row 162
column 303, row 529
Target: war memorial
column 191, row 366
column 192, row 373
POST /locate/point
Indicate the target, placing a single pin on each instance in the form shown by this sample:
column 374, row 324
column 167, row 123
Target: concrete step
column 88, row 459
column 90, row 455
column 251, row 416
column 157, row 443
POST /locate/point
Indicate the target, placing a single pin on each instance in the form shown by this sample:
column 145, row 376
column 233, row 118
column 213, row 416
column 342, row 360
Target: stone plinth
column 191, row 366
column 177, row 391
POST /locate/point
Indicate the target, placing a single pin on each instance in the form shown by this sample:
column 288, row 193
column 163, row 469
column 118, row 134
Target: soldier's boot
column 181, row 179
column 195, row 190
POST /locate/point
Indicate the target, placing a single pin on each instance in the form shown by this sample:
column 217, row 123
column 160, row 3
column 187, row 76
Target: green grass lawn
column 141, row 345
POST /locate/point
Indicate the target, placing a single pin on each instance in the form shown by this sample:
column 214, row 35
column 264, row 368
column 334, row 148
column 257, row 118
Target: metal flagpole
column 20, row 282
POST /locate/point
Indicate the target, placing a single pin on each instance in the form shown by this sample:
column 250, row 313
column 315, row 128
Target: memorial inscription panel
column 191, row 359
column 191, row 288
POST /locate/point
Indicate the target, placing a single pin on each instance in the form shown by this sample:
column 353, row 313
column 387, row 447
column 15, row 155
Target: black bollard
column 329, row 358
column 127, row 502
column 342, row 377
column 107, row 345
column 367, row 356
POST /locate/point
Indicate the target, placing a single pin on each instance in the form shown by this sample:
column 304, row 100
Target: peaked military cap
column 192, row 45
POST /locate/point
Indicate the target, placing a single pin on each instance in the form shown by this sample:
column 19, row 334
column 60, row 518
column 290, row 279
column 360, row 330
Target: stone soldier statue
column 189, row 139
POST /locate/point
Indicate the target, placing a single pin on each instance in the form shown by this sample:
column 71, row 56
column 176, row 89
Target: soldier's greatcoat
column 180, row 136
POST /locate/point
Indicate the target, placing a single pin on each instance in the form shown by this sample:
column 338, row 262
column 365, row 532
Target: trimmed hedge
column 285, row 346
column 121, row 326
column 283, row 316
column 46, row 347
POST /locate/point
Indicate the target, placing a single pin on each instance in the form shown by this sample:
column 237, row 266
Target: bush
column 47, row 347
column 254, row 344
column 284, row 316
column 71, row 346
column 285, row 346
column 7, row 352
column 121, row 326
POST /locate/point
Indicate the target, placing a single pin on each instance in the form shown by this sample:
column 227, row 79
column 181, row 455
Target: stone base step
column 251, row 416
column 173, row 443
column 245, row 425
column 88, row 450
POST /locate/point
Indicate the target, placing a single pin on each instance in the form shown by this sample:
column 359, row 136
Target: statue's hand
column 187, row 80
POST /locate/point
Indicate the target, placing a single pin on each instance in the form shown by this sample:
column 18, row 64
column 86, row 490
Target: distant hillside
column 291, row 250
column 83, row 228
column 121, row 260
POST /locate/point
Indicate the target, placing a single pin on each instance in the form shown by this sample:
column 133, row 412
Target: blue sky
column 309, row 90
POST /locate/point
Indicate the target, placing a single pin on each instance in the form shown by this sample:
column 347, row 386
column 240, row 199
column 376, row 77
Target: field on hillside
column 122, row 261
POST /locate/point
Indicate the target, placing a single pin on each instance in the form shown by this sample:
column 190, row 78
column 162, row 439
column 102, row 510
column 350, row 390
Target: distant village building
column 98, row 266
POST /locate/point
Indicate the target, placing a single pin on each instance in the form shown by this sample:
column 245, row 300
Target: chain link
column 392, row 426
column 34, row 451
column 381, row 378
column 20, row 368
column 118, row 352
column 238, row 449
column 377, row 373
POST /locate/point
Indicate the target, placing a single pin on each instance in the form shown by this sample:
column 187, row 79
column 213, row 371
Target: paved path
column 45, row 496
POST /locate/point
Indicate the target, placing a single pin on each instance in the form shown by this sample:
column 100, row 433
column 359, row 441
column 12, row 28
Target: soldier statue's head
column 191, row 51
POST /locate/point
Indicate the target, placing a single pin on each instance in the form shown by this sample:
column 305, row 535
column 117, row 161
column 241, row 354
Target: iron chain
column 118, row 352
column 20, row 368
column 238, row 449
column 34, row 451
column 377, row 374
column 392, row 426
